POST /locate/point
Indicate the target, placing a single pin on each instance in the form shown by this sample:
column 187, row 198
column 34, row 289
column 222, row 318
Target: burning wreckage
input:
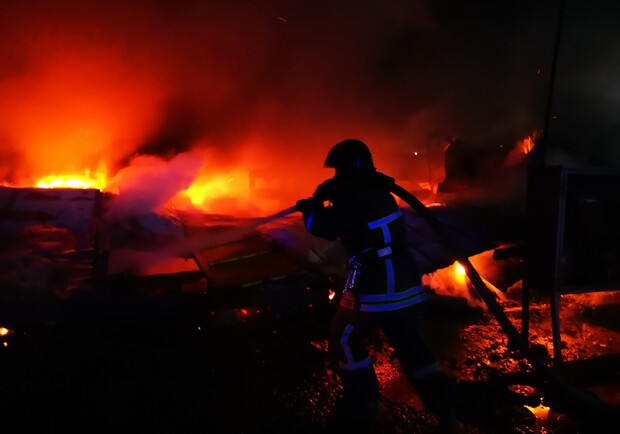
column 188, row 320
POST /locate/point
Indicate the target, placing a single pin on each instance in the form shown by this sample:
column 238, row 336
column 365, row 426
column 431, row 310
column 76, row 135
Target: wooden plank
column 247, row 261
column 249, row 246
column 253, row 270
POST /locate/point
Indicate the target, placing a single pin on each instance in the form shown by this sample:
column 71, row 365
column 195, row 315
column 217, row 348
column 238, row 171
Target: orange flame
column 223, row 192
column 527, row 145
column 205, row 189
column 541, row 411
column 459, row 273
column 453, row 280
column 522, row 148
column 73, row 180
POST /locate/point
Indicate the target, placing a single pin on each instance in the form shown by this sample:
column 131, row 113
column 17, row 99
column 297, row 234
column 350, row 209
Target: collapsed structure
column 65, row 262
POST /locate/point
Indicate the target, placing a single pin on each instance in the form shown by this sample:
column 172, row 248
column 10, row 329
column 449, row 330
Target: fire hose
column 189, row 245
column 583, row 403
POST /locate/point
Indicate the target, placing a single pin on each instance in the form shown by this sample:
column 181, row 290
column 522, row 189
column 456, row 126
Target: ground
column 169, row 364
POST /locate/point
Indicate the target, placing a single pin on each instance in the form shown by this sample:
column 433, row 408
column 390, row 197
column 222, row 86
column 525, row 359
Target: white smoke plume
column 149, row 182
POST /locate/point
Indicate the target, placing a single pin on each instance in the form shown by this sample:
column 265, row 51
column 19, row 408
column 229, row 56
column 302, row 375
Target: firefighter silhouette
column 383, row 289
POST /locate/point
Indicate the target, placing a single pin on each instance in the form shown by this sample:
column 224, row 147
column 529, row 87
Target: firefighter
column 383, row 289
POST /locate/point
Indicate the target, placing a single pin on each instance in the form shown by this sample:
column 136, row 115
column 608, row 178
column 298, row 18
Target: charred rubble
column 101, row 330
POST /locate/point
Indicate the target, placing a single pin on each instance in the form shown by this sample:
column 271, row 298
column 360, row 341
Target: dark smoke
column 176, row 132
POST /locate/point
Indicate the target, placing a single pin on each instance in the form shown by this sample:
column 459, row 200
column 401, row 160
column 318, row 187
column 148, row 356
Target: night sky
column 272, row 82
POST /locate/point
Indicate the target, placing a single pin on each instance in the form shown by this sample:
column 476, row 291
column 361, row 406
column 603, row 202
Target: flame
column 453, row 280
column 331, row 294
column 541, row 412
column 527, row 145
column 73, row 180
column 208, row 191
column 207, row 188
column 522, row 148
column 5, row 332
column 459, row 273
column 84, row 180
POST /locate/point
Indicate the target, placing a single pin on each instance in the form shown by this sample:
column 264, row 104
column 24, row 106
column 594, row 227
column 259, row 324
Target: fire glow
column 197, row 182
column 527, row 145
column 74, row 180
column 522, row 148
column 541, row 412
column 453, row 280
column 206, row 189
column 459, row 273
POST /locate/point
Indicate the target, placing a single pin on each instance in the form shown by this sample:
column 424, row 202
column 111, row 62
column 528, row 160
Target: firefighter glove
column 326, row 190
column 308, row 205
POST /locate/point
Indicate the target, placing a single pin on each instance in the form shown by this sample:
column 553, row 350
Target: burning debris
column 60, row 245
column 49, row 241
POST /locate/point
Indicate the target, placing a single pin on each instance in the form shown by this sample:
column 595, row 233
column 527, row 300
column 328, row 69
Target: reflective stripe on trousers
column 350, row 364
column 384, row 302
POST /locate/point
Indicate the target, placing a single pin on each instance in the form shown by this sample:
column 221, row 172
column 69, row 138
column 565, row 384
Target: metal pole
column 542, row 145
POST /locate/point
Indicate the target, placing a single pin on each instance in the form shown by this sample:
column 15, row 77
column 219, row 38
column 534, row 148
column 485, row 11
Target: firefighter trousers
column 350, row 329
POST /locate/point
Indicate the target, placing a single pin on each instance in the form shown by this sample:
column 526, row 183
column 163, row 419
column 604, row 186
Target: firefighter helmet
column 350, row 156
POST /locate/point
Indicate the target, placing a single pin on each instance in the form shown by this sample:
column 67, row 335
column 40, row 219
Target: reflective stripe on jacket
column 371, row 226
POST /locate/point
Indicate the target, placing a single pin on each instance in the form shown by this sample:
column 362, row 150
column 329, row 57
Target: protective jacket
column 362, row 213
column 383, row 289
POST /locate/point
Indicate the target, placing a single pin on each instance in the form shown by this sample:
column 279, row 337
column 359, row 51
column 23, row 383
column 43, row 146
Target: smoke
column 270, row 84
column 148, row 183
